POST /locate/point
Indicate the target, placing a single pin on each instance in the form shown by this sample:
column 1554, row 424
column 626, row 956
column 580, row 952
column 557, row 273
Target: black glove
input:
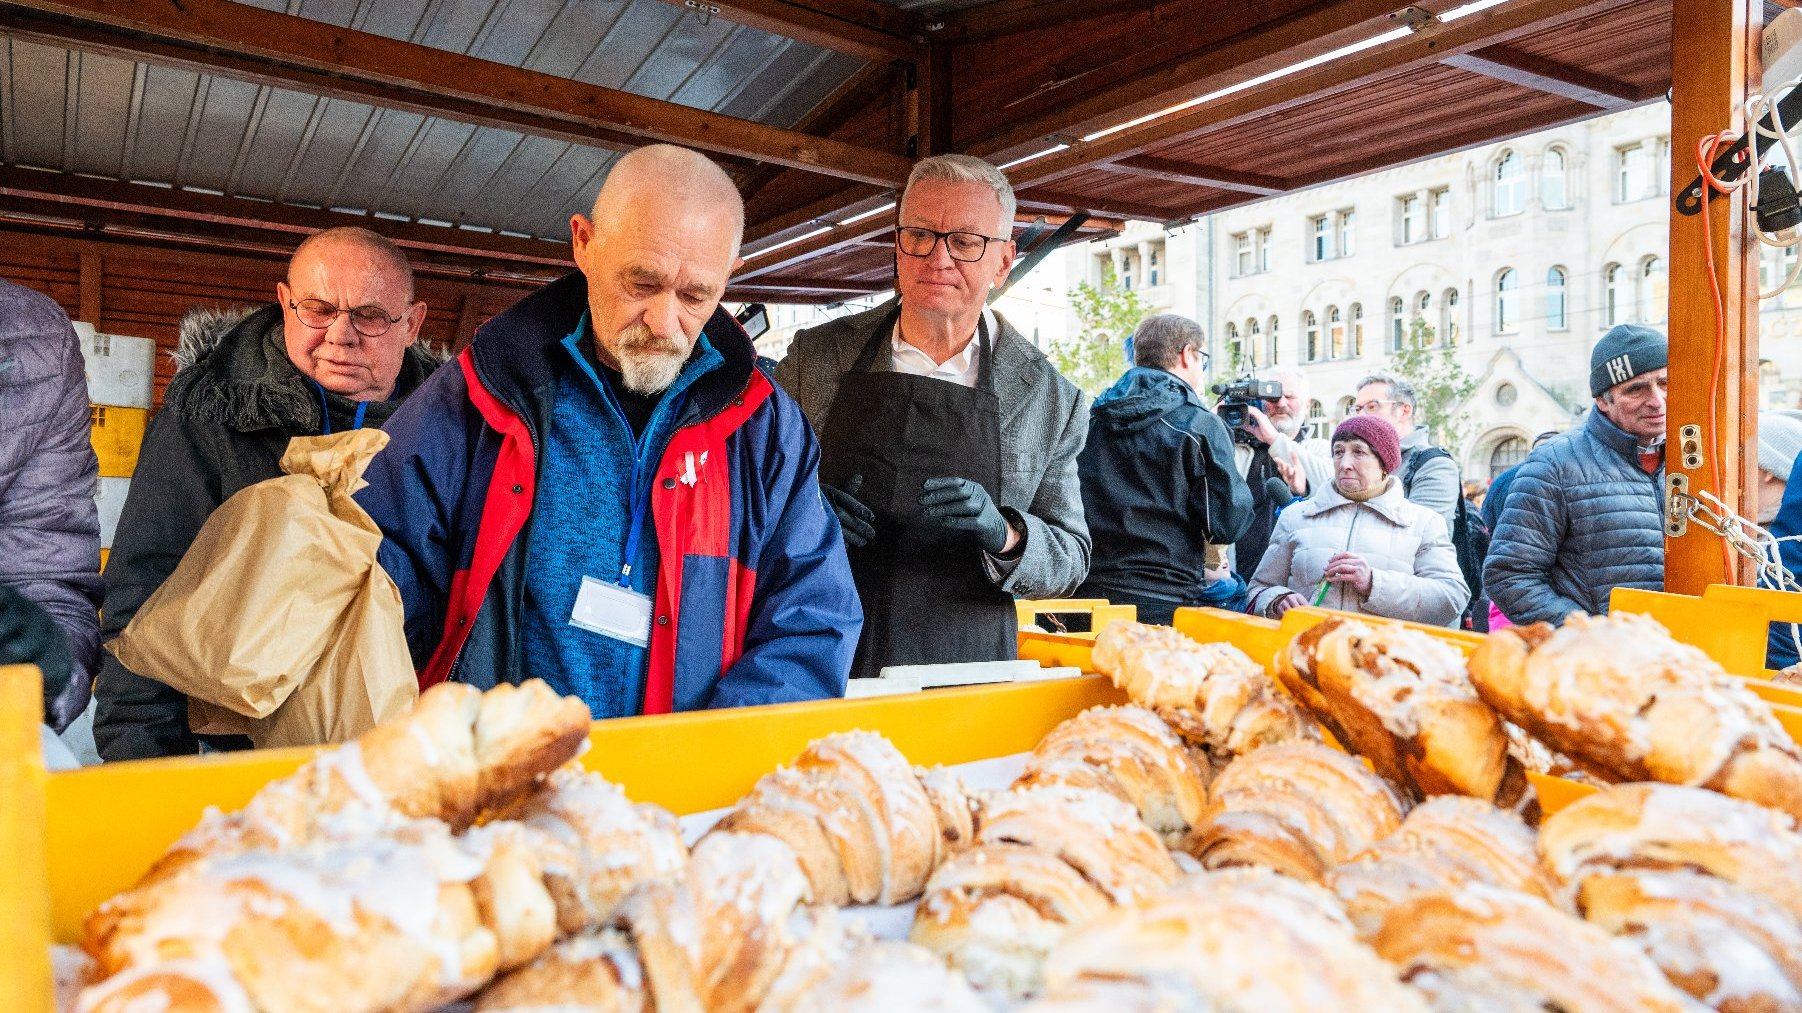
column 857, row 520
column 958, row 504
column 28, row 636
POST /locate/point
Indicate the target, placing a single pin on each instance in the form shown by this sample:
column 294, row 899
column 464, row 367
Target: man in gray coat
column 1584, row 514
column 949, row 442
column 1428, row 474
column 49, row 527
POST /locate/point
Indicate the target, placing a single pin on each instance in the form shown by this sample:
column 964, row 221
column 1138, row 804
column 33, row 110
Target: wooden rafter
column 1506, row 63
column 757, row 266
column 1051, row 200
column 1173, row 171
column 1431, row 44
column 865, row 88
column 1004, row 17
column 867, row 30
column 1246, row 56
column 237, row 40
column 88, row 199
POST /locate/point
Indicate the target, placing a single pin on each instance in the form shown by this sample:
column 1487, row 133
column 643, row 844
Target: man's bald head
column 668, row 175
column 657, row 253
column 376, row 250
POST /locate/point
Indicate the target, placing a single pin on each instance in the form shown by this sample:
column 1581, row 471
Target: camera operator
column 1158, row 483
column 1270, row 445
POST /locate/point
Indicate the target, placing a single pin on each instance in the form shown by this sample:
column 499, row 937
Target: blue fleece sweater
column 584, row 515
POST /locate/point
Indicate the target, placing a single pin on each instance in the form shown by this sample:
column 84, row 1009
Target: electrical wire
column 1705, row 155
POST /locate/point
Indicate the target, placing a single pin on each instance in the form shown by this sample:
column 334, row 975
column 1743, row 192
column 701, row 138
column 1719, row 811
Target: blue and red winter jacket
column 754, row 601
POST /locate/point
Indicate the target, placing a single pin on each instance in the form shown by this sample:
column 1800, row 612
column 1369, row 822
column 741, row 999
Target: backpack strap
column 1415, row 460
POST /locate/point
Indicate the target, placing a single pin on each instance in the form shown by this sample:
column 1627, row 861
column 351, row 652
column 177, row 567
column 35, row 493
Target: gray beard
column 649, row 373
column 1289, row 427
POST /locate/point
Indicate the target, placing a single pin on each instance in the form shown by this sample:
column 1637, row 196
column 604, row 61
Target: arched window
column 1310, row 330
column 1254, row 351
column 1398, row 324
column 1448, row 317
column 1345, row 407
column 1126, row 272
column 1357, row 329
column 1235, row 353
column 1151, row 268
column 1557, row 315
column 1507, row 301
column 1335, row 327
column 1613, row 298
column 1652, row 291
column 1554, row 189
column 1507, row 454
column 1423, row 309
column 1274, row 359
column 1316, row 411
column 1510, row 185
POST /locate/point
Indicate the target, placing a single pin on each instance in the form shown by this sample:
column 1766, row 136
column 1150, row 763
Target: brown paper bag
column 278, row 623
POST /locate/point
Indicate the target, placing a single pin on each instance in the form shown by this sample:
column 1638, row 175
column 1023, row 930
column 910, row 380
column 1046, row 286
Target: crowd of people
column 607, row 489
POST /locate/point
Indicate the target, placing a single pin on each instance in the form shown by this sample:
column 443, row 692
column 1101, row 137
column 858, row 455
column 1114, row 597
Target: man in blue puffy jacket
column 1585, row 513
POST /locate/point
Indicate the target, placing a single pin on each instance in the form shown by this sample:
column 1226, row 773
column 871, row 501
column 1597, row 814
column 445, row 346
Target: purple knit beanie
column 1378, row 435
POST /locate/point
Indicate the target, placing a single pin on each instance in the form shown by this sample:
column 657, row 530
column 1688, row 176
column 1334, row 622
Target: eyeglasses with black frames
column 966, row 247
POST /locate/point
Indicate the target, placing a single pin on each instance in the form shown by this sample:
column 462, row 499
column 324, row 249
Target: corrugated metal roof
column 109, row 117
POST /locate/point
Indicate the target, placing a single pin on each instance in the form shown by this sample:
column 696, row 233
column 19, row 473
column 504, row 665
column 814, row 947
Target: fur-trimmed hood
column 232, row 368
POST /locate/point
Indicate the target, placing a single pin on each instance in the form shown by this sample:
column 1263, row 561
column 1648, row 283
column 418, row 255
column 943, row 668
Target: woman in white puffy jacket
column 1359, row 545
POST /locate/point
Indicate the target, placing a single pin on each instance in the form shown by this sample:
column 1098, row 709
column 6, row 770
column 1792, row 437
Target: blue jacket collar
column 518, row 354
column 1611, row 436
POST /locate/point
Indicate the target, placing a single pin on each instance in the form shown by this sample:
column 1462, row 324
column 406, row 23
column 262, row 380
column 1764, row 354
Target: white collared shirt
column 961, row 369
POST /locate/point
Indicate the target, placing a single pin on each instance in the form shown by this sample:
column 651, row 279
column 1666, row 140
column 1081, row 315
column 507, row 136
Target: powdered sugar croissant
column 1444, row 843
column 865, row 825
column 1298, row 808
column 1131, row 753
column 1403, row 699
column 1477, row 947
column 394, row 924
column 1248, row 939
column 1214, row 695
column 1616, row 694
column 1050, row 857
column 459, row 752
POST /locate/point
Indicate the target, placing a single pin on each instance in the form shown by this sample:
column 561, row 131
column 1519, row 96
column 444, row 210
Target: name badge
column 612, row 611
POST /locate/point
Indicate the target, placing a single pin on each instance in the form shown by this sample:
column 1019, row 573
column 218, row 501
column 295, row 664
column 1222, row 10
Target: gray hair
column 1399, row 389
column 1159, row 341
column 967, row 169
column 1287, row 377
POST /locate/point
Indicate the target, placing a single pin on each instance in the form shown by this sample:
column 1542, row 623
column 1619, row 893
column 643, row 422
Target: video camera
column 1237, row 399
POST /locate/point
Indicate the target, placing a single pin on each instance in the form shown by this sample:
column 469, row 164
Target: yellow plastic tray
column 117, row 434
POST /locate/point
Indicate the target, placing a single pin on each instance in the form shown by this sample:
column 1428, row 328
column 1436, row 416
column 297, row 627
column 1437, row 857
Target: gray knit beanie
column 1626, row 351
column 1779, row 441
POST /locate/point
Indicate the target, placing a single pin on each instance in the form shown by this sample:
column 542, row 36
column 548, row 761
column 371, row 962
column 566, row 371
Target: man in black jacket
column 337, row 351
column 1158, row 481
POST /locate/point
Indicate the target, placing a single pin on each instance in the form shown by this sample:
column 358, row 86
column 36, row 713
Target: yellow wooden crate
column 117, row 434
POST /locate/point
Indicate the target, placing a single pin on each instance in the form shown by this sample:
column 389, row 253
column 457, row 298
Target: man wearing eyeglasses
column 337, row 350
column 949, row 441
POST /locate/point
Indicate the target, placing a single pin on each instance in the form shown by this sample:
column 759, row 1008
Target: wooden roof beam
column 1172, row 171
column 281, row 50
column 1004, row 17
column 1258, row 50
column 1049, row 200
column 84, row 198
column 781, row 258
column 1505, row 63
column 817, row 285
column 1433, row 43
column 860, row 28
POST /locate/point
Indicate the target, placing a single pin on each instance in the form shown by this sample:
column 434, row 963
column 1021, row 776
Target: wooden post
column 1713, row 56
column 93, row 276
column 467, row 314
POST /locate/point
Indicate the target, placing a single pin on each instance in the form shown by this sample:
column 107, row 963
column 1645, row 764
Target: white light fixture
column 822, row 230
column 1037, row 154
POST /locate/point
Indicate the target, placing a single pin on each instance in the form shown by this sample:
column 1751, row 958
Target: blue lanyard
column 639, row 502
column 325, row 411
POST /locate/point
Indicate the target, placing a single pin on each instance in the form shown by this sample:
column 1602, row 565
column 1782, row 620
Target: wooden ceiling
column 1007, row 80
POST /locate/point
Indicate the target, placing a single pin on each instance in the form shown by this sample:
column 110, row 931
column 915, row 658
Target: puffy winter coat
column 1158, row 484
column 1413, row 567
column 1582, row 518
column 49, row 529
column 227, row 416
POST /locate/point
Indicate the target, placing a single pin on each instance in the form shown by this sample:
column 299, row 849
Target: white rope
column 1752, row 542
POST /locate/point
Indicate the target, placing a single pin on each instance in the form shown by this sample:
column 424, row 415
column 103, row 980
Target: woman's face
column 1355, row 468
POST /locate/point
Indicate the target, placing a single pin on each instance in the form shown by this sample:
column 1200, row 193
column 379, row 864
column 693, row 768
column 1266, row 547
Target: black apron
column 926, row 599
